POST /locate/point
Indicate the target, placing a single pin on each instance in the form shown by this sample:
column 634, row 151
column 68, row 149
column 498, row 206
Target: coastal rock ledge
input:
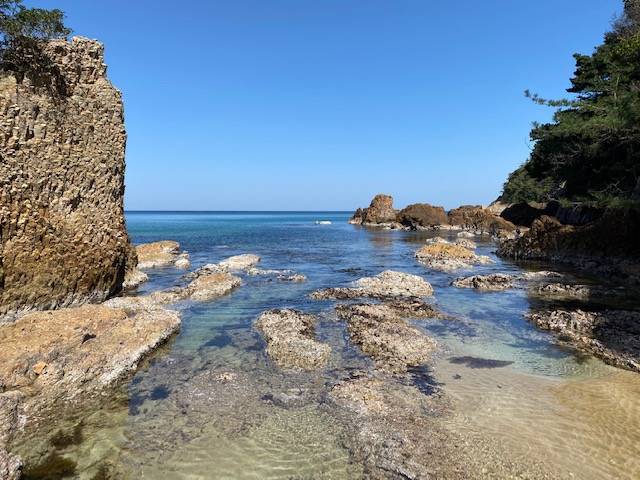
column 62, row 230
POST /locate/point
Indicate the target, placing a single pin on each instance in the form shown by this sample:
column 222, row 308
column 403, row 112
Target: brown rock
column 611, row 335
column 422, row 215
column 478, row 219
column 290, row 339
column 447, row 257
column 82, row 350
column 386, row 284
column 381, row 333
column 157, row 254
column 62, row 231
column 494, row 282
column 380, row 211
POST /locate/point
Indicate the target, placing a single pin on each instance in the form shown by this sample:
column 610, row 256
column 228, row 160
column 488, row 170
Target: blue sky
column 320, row 104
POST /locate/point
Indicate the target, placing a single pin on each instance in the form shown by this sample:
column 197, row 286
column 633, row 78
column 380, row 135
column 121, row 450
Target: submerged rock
column 284, row 275
column 290, row 339
column 611, row 335
column 382, row 334
column 447, row 257
column 384, row 285
column 493, row 282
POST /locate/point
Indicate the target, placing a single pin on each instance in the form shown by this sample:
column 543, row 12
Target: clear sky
column 320, row 104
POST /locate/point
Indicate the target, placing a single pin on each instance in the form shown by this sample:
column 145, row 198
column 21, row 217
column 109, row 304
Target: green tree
column 23, row 33
column 590, row 152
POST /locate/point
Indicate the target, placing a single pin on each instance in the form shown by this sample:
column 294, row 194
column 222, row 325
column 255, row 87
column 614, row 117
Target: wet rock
column 183, row 261
column 384, row 285
column 395, row 284
column 465, row 234
column 433, row 240
column 382, row 334
column 290, row 339
column 540, row 275
column 380, row 211
column 210, row 286
column 84, row 350
column 239, row 262
column 283, row 275
column 422, row 215
column 447, row 257
column 493, row 282
column 611, row 335
column 157, row 254
column 564, row 290
column 134, row 277
column 466, row 243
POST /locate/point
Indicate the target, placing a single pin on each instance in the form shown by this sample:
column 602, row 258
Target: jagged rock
column 465, row 235
column 284, row 275
column 523, row 214
column 386, row 284
column 290, row 339
column 63, row 239
column 447, row 257
column 422, row 215
column 607, row 246
column 157, row 254
column 77, row 352
column 436, row 240
column 478, row 219
column 236, row 263
column 466, row 243
column 493, row 282
column 239, row 262
column 611, row 335
column 563, row 290
column 382, row 334
column 540, row 275
column 10, row 466
column 182, row 261
column 380, row 211
column 134, row 277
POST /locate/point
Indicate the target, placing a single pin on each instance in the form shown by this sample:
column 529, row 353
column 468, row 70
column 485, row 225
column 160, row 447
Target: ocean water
column 174, row 420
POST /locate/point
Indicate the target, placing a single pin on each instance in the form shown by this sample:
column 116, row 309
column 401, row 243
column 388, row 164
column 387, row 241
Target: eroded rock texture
column 62, row 231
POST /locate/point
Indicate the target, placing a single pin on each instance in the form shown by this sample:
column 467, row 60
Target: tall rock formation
column 62, row 143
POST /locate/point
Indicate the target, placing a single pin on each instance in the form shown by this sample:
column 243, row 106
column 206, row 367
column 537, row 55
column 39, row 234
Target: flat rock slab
column 157, row 254
column 387, row 284
column 59, row 355
column 382, row 334
column 211, row 286
column 290, row 339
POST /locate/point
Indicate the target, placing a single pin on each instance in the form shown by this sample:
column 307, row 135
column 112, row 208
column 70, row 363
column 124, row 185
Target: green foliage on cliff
column 23, row 31
column 590, row 152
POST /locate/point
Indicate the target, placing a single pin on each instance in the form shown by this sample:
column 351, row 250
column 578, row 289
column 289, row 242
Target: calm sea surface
column 545, row 400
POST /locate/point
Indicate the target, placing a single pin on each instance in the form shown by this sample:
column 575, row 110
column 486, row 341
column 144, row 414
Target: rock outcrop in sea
column 423, row 216
column 387, row 284
column 62, row 231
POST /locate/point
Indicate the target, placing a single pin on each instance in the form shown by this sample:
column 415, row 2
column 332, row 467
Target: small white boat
column 323, row 222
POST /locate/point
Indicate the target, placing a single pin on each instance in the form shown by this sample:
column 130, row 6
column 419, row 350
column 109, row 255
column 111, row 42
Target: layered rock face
column 62, row 231
column 379, row 211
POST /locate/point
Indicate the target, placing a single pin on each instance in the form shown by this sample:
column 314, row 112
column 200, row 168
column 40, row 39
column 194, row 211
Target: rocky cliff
column 62, row 142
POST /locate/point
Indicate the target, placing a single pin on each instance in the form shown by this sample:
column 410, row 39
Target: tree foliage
column 23, row 33
column 590, row 151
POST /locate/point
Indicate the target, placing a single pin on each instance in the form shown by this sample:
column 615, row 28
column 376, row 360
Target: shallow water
column 174, row 420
